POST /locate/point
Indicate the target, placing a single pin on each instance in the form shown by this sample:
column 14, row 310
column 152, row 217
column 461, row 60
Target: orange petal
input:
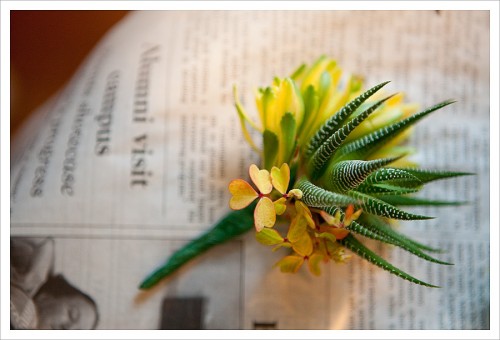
column 261, row 178
column 264, row 214
column 340, row 233
column 243, row 194
column 281, row 177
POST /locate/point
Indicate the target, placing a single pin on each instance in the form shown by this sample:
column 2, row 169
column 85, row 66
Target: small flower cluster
column 311, row 236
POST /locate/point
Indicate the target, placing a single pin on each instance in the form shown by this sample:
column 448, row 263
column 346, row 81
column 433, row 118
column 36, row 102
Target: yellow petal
column 303, row 210
column 314, row 262
column 303, row 246
column 243, row 194
column 290, row 264
column 269, row 237
column 298, row 227
column 261, row 178
column 280, row 206
column 281, row 177
column 297, row 193
column 264, row 214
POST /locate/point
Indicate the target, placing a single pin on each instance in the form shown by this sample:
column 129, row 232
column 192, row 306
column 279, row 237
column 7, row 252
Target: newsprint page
column 132, row 159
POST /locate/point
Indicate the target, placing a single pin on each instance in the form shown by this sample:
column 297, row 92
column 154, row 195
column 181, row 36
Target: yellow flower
column 243, row 194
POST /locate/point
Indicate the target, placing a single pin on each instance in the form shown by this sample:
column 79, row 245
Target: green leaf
column 288, row 138
column 415, row 201
column 334, row 122
column 311, row 103
column 358, row 248
column 386, row 238
column 298, row 72
column 346, row 175
column 327, row 149
column 386, row 189
column 233, row 224
column 271, row 145
column 361, row 148
column 432, row 175
column 315, row 196
column 392, row 176
column 378, row 207
column 377, row 225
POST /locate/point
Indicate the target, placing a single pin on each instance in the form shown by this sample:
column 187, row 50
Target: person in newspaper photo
column 41, row 299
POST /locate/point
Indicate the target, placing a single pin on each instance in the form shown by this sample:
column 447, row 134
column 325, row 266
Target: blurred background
column 46, row 47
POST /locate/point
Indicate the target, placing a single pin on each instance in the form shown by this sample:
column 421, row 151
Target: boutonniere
column 334, row 165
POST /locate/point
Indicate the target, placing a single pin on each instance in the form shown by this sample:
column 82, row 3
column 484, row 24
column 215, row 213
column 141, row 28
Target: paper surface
column 133, row 158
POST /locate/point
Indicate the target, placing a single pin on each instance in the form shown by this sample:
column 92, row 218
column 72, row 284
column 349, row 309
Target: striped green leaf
column 379, row 226
column 346, row 175
column 415, row 201
column 315, row 196
column 351, row 243
column 320, row 158
column 386, row 238
column 334, row 122
column 361, row 148
column 391, row 175
column 378, row 207
column 432, row 175
column 386, row 189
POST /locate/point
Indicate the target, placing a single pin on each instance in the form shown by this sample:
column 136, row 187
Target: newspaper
column 132, row 159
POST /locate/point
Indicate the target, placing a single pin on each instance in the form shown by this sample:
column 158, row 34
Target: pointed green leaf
column 391, row 175
column 358, row 248
column 415, row 201
column 362, row 230
column 346, row 175
column 334, row 122
column 231, row 225
column 326, row 150
column 378, row 207
column 432, row 175
column 361, row 148
column 386, row 189
column 379, row 226
column 315, row 196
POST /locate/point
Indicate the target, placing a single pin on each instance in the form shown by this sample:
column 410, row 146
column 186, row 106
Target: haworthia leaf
column 334, row 122
column 315, row 196
column 271, row 145
column 390, row 175
column 346, row 175
column 378, row 207
column 432, row 175
column 328, row 147
column 415, row 201
column 233, row 224
column 364, row 146
column 357, row 247
column 386, row 189
column 377, row 225
column 362, row 230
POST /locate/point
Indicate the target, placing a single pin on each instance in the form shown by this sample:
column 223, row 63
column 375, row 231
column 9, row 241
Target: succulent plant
column 334, row 165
